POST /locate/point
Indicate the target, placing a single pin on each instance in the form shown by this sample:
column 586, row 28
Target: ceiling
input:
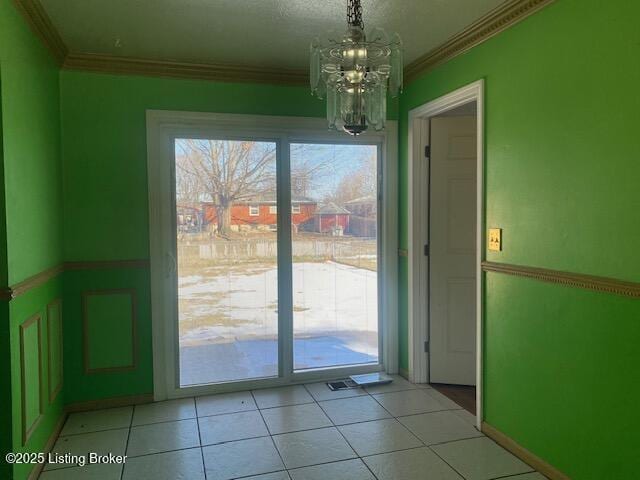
column 256, row 33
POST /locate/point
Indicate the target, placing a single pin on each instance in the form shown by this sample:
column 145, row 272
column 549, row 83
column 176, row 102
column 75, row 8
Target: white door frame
column 418, row 130
column 162, row 128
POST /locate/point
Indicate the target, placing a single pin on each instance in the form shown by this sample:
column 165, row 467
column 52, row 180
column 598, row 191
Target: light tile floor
column 399, row 431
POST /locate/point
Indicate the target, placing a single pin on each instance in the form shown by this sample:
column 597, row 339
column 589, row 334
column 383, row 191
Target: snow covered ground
column 328, row 297
column 228, row 316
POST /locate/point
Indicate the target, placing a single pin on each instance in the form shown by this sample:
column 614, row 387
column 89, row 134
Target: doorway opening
column 446, row 245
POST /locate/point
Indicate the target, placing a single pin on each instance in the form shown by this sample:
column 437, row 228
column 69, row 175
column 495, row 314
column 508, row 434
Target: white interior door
column 452, row 256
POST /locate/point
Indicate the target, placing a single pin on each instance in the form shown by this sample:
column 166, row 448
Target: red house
column 262, row 213
column 330, row 218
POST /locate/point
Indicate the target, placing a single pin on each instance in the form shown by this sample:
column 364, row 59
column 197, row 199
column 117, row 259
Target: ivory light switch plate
column 495, row 239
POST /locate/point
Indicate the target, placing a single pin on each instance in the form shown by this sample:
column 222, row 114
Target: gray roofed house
column 331, row 208
column 331, row 218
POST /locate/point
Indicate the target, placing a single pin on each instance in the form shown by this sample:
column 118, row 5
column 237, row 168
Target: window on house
column 295, row 208
column 273, row 209
column 254, row 210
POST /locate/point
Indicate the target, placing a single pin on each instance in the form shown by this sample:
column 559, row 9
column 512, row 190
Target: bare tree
column 361, row 183
column 189, row 188
column 225, row 172
column 307, row 171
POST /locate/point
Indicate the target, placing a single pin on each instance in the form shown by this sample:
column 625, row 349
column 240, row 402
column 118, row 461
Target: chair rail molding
column 578, row 280
column 40, row 278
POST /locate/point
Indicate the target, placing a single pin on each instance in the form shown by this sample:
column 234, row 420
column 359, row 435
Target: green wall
column 30, row 228
column 31, row 114
column 6, row 413
column 562, row 181
column 557, row 368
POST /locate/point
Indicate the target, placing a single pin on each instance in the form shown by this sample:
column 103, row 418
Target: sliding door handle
column 171, row 266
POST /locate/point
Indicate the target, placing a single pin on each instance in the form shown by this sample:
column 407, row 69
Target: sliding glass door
column 226, row 219
column 266, row 261
column 226, row 238
column 334, row 197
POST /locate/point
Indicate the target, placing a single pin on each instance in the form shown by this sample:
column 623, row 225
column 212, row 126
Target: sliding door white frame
column 163, row 127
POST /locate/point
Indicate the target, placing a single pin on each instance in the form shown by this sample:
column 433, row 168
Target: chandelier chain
column 354, row 14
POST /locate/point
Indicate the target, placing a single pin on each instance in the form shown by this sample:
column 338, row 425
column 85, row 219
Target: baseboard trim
column 84, row 407
column 522, row 453
column 112, row 402
column 51, row 441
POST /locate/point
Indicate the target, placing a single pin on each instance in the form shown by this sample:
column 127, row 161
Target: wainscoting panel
column 31, row 375
column 54, row 347
column 109, row 330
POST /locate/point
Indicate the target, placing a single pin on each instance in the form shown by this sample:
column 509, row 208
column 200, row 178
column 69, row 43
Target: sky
column 342, row 160
column 338, row 161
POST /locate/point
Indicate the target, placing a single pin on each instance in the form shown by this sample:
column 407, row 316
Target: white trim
column 418, row 133
column 254, row 210
column 389, row 237
column 162, row 128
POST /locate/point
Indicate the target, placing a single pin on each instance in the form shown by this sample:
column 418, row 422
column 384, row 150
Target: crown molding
column 494, row 22
column 41, row 24
column 577, row 280
column 202, row 71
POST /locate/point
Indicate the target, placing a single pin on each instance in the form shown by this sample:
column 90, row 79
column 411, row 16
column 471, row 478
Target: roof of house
column 186, row 206
column 365, row 199
column 331, row 209
column 270, row 199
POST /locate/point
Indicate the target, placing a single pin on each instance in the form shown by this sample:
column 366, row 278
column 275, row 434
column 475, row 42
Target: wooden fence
column 268, row 249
